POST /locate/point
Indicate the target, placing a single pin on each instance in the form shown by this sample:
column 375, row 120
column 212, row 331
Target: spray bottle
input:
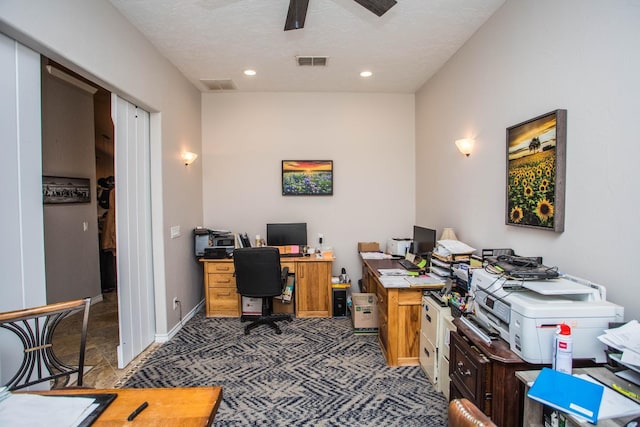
column 563, row 349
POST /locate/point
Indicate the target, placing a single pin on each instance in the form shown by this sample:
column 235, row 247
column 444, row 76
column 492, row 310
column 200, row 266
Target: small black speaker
column 339, row 303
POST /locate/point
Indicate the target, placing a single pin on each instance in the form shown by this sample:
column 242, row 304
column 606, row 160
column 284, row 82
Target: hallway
column 101, row 359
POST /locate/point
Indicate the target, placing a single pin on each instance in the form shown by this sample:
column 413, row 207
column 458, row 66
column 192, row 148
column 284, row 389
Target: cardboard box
column 280, row 307
column 368, row 247
column 364, row 312
column 251, row 306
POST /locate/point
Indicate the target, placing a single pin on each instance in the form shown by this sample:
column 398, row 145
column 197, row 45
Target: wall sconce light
column 189, row 157
column 465, row 145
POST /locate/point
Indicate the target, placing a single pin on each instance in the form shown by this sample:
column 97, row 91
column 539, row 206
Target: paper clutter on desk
column 625, row 339
column 452, row 247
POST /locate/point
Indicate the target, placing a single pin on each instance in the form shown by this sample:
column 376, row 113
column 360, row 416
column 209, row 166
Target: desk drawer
column 221, row 280
column 220, row 267
column 429, row 320
column 428, row 358
column 291, row 265
column 223, row 301
column 470, row 372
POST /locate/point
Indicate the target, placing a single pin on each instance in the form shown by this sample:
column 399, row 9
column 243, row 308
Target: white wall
column 369, row 137
column 92, row 38
column 528, row 59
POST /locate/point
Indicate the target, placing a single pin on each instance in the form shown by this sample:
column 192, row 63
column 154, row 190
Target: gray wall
column 68, row 150
column 528, row 59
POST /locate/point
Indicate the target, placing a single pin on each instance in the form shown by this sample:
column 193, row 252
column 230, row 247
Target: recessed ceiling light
column 366, row 74
column 249, row 72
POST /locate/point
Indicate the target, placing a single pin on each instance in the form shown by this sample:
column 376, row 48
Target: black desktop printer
column 213, row 243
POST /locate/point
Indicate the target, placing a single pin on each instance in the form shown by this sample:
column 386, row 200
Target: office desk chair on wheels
column 258, row 275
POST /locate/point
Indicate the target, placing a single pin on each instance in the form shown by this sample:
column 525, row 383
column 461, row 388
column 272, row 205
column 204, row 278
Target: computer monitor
column 286, row 234
column 424, row 240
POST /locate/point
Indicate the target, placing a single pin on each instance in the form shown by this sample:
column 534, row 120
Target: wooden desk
column 485, row 374
column 532, row 415
column 312, row 290
column 398, row 314
column 189, row 406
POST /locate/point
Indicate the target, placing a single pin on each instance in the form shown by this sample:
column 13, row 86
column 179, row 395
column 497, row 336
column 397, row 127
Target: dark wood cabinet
column 485, row 374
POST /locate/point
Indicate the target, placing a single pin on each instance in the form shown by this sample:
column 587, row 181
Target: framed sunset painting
column 307, row 177
column 536, row 157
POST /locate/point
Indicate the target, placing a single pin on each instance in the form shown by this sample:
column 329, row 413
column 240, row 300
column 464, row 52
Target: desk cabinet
column 485, row 374
column 399, row 324
column 435, row 326
column 444, row 354
column 312, row 287
column 221, row 297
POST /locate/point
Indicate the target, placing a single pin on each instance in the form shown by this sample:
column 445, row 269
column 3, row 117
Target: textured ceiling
column 218, row 39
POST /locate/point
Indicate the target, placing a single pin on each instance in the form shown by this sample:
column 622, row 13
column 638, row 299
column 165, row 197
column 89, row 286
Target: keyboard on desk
column 290, row 255
column 408, row 264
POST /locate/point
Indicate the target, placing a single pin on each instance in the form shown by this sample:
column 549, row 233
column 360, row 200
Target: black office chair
column 35, row 328
column 258, row 275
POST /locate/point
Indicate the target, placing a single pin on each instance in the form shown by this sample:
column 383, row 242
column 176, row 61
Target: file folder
column 568, row 394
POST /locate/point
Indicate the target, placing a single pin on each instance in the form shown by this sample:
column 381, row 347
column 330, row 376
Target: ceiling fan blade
column 296, row 14
column 379, row 7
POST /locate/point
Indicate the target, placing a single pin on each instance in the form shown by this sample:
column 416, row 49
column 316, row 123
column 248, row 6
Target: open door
column 134, row 259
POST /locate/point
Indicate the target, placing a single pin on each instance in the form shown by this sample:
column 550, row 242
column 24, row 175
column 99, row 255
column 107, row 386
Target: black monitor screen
column 424, row 240
column 287, row 234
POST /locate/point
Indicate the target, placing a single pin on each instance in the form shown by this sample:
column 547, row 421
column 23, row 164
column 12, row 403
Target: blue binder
column 567, row 393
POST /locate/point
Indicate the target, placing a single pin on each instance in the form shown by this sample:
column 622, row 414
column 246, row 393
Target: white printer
column 525, row 313
column 398, row 247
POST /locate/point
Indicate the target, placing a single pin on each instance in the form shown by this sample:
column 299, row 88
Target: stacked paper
column 625, row 339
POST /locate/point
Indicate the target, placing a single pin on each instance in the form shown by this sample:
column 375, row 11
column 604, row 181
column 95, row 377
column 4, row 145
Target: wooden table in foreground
column 189, row 406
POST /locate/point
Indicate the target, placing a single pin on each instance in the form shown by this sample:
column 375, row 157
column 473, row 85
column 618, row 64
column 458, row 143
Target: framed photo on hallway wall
column 536, row 163
column 60, row 189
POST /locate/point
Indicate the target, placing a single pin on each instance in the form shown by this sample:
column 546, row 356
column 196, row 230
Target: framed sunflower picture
column 536, row 158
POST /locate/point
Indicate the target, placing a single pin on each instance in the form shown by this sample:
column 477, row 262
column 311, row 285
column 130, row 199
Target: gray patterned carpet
column 317, row 373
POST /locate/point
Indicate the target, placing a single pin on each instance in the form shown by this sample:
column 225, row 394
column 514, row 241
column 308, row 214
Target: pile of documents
column 447, row 248
column 626, row 340
column 33, row 410
column 397, row 279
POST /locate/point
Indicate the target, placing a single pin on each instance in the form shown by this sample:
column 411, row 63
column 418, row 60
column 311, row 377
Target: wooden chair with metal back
column 35, row 328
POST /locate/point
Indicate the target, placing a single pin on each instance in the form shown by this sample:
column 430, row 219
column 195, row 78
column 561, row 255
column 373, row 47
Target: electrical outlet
column 176, row 301
column 320, row 237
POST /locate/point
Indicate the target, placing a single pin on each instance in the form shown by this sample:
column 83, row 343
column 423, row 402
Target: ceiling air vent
column 219, row 84
column 312, row 61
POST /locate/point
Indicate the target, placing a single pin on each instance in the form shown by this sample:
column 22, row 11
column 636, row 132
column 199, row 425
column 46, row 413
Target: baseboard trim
column 162, row 338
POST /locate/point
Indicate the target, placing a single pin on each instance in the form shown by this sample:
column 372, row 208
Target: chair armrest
column 284, row 275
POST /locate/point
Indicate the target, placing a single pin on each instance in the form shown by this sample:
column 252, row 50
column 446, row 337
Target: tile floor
column 101, row 358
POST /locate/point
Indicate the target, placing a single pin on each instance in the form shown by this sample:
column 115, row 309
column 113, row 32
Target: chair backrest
column 35, row 328
column 258, row 271
column 463, row 413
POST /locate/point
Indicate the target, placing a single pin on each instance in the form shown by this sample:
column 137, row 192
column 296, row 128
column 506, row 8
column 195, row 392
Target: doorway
column 82, row 123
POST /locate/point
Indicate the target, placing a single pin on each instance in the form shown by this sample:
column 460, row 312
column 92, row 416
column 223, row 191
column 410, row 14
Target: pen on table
column 137, row 411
